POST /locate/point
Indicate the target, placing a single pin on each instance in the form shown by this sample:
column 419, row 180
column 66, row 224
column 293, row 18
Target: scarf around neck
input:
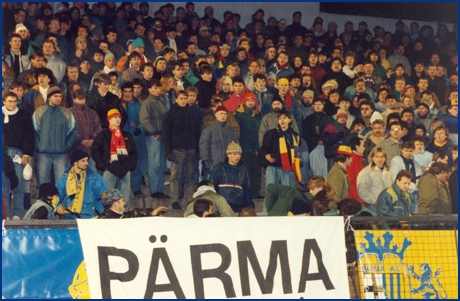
column 117, row 144
column 289, row 155
column 8, row 113
column 75, row 189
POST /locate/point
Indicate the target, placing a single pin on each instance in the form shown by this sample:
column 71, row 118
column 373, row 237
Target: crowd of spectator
column 101, row 101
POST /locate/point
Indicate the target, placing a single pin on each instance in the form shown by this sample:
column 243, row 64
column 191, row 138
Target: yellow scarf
column 75, row 190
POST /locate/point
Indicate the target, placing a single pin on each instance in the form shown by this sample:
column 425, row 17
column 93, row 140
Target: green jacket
column 393, row 202
column 339, row 180
column 249, row 122
column 434, row 196
column 279, row 198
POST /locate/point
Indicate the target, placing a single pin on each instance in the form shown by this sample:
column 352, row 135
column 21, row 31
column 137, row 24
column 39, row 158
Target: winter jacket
column 103, row 104
column 180, row 129
column 95, row 186
column 206, row 91
column 40, row 210
column 209, row 118
column 233, row 184
column 151, row 115
column 132, row 123
column 264, row 100
column 434, row 196
column 233, row 102
column 219, row 204
column 271, row 145
column 423, row 158
column 249, row 122
column 332, row 137
column 19, row 132
column 390, row 202
column 35, row 98
column 55, row 130
column 397, row 164
column 100, row 152
column 391, row 147
column 371, row 182
column 353, row 170
column 432, row 147
column 269, row 122
column 88, row 123
column 313, row 128
column 285, row 72
column 279, row 198
column 214, row 141
column 338, row 179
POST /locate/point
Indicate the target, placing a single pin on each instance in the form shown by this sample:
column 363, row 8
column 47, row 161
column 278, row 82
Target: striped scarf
column 290, row 157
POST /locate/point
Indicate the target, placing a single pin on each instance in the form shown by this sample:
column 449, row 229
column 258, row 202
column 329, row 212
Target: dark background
column 446, row 12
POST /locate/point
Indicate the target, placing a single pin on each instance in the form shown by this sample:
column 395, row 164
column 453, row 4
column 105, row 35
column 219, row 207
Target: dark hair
column 354, row 142
column 341, row 158
column 201, row 206
column 79, row 94
column 408, row 145
column 407, row 110
column 238, row 79
column 134, row 54
column 349, row 206
column 259, row 76
column 127, row 85
column 153, row 82
column 438, row 167
column 404, row 173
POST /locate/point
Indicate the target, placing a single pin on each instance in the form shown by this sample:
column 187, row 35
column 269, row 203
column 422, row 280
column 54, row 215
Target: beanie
column 425, row 105
column 108, row 56
column 138, row 43
column 341, row 113
column 47, row 189
column 330, row 83
column 283, row 80
column 20, row 27
column 110, row 196
column 220, row 108
column 77, row 155
column 53, row 90
column 233, row 147
column 308, row 93
column 112, row 113
column 249, row 95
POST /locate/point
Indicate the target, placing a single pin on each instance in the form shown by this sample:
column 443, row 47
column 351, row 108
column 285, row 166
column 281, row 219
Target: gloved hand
column 137, row 132
column 170, row 157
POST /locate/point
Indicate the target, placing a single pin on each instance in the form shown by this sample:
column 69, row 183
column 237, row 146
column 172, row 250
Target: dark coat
column 103, row 104
column 100, row 152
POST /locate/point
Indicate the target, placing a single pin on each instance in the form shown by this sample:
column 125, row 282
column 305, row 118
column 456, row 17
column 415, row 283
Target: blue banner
column 43, row 263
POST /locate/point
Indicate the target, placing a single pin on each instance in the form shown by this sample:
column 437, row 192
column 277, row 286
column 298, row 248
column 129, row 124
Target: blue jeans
column 305, row 156
column 47, row 162
column 136, row 175
column 18, row 193
column 277, row 175
column 184, row 160
column 122, row 184
column 156, row 164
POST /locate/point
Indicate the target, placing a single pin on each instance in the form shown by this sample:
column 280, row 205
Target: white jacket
column 371, row 182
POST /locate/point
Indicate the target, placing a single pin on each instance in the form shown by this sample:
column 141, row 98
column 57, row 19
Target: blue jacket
column 133, row 122
column 280, row 73
column 233, row 184
column 55, row 130
column 95, row 186
column 264, row 100
column 391, row 203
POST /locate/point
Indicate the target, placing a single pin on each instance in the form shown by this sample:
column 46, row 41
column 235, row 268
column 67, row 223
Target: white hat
column 20, row 27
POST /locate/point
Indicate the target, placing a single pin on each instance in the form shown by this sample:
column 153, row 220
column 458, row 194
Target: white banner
column 251, row 257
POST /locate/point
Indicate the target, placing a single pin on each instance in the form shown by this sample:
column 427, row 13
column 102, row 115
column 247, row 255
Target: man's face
column 284, row 122
column 135, row 62
column 115, row 121
column 407, row 117
column 400, row 50
column 368, row 69
column 399, row 85
column 72, row 73
column 147, row 73
column 82, row 164
column 254, row 68
column 360, row 87
column 111, row 37
column 366, row 111
column 360, row 148
column 349, row 61
column 238, row 88
column 43, row 80
column 403, row 184
column 54, row 26
column 234, row 158
column 178, row 72
column 127, row 93
column 313, row 59
column 419, row 68
column 191, row 49
column 334, row 98
column 399, row 71
column 395, row 132
column 431, row 71
column 307, row 100
column 250, row 103
column 103, row 87
column 191, row 98
column 283, row 87
column 181, row 100
column 336, row 66
column 48, row 49
column 282, row 59
column 85, row 66
column 419, row 146
column 19, row 91
column 407, row 153
column 422, row 85
column 157, row 44
column 419, row 132
column 453, row 111
column 318, row 106
column 10, row 103
column 137, row 90
column 342, row 119
column 443, row 176
column 378, row 130
column 295, row 83
column 110, row 63
column 434, row 59
column 277, row 106
column 98, row 57
column 344, row 105
column 207, row 76
column 140, row 29
column 55, row 100
column 221, row 116
column 260, row 83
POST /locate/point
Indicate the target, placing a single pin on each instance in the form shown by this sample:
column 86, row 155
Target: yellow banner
column 407, row 264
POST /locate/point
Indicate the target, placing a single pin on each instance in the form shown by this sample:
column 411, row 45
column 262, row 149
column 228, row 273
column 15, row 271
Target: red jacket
column 353, row 170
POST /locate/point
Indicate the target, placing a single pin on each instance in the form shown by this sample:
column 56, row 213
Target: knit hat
column 454, row 102
column 129, row 42
column 407, row 88
column 158, row 58
column 308, row 93
column 77, row 155
column 203, row 28
column 344, row 150
column 97, row 31
column 249, row 95
column 20, row 27
column 220, row 108
column 283, row 80
column 108, row 55
column 233, row 147
column 375, row 115
column 53, row 90
column 330, row 83
column 277, row 98
column 138, row 43
column 78, row 39
column 425, row 105
column 112, row 113
column 271, row 75
column 110, row 196
column 282, row 20
column 341, row 113
column 47, row 189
